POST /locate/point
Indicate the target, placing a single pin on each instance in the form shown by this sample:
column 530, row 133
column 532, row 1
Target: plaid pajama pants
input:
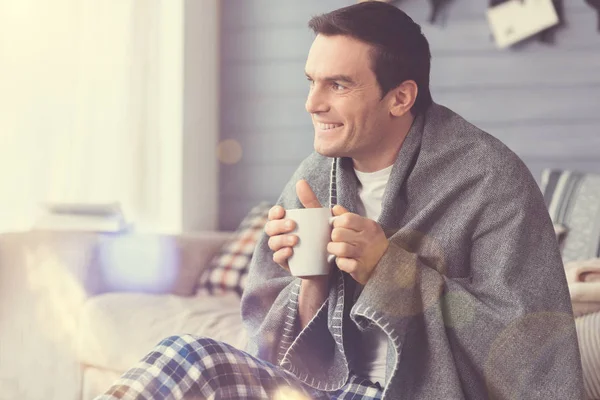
column 191, row 367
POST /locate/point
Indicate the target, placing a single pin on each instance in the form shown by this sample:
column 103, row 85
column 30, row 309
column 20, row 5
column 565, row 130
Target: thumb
column 339, row 210
column 307, row 197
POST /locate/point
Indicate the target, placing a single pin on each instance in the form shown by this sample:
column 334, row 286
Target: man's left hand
column 357, row 242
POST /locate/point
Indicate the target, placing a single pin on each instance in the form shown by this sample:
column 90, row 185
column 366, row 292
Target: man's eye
column 337, row 86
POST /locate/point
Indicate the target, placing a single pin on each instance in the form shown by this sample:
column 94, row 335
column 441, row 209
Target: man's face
column 348, row 114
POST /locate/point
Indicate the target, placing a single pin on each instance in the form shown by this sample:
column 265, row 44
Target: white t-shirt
column 373, row 362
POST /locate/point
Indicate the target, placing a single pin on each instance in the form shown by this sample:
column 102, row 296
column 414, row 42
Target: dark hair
column 400, row 50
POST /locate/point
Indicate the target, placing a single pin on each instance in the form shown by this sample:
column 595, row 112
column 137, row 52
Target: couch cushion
column 95, row 381
column 228, row 269
column 158, row 264
column 573, row 200
column 118, row 329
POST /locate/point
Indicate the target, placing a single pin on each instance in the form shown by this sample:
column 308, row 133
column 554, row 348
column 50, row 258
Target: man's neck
column 386, row 153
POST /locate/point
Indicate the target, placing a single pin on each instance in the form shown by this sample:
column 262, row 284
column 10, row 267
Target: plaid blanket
column 191, row 367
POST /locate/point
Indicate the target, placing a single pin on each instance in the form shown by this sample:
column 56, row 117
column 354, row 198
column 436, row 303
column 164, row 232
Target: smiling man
column 447, row 281
column 350, row 115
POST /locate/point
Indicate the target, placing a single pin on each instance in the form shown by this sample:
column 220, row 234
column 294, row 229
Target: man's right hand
column 313, row 290
column 281, row 242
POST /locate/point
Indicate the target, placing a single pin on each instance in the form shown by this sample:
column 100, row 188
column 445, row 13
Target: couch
column 78, row 309
column 573, row 201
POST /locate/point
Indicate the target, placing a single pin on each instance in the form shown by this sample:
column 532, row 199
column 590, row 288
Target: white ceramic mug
column 313, row 228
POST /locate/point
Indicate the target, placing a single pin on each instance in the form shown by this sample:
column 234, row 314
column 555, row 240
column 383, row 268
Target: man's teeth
column 328, row 126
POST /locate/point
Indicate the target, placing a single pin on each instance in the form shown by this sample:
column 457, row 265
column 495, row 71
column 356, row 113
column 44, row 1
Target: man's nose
column 316, row 102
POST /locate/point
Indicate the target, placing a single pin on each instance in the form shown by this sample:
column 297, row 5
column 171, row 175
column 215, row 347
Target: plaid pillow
column 227, row 270
column 573, row 200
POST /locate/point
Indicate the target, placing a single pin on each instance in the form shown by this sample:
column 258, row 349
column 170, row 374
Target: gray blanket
column 471, row 292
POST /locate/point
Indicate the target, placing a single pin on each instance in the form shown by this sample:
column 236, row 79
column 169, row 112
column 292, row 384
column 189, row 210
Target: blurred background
column 190, row 112
column 110, row 101
column 186, row 114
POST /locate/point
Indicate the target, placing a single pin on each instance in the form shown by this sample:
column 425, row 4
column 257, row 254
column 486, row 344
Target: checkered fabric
column 227, row 271
column 190, row 367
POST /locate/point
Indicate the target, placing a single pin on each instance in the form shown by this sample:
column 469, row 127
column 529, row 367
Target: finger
column 344, row 235
column 307, row 197
column 349, row 221
column 276, row 212
column 336, row 211
column 343, row 250
column 281, row 257
column 280, row 241
column 339, row 210
column 348, row 265
column 279, row 227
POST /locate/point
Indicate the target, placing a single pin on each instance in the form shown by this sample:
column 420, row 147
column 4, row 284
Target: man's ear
column 402, row 98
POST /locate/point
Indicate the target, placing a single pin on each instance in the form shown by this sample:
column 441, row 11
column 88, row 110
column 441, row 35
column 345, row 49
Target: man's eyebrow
column 334, row 78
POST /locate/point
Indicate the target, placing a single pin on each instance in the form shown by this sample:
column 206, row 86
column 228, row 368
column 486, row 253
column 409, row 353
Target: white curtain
column 79, row 99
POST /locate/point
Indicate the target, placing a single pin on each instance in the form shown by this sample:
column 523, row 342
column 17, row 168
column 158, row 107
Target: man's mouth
column 327, row 127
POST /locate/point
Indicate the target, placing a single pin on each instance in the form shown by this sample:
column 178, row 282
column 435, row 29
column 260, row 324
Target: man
column 447, row 281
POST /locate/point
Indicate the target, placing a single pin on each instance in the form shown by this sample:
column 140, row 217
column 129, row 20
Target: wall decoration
column 596, row 5
column 519, row 23
column 512, row 21
column 436, row 7
column 546, row 35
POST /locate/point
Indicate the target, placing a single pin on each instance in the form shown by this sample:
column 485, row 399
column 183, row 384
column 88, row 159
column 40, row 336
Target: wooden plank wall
column 542, row 101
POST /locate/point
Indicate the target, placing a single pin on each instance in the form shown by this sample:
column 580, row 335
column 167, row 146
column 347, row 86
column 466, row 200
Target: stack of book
column 104, row 217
